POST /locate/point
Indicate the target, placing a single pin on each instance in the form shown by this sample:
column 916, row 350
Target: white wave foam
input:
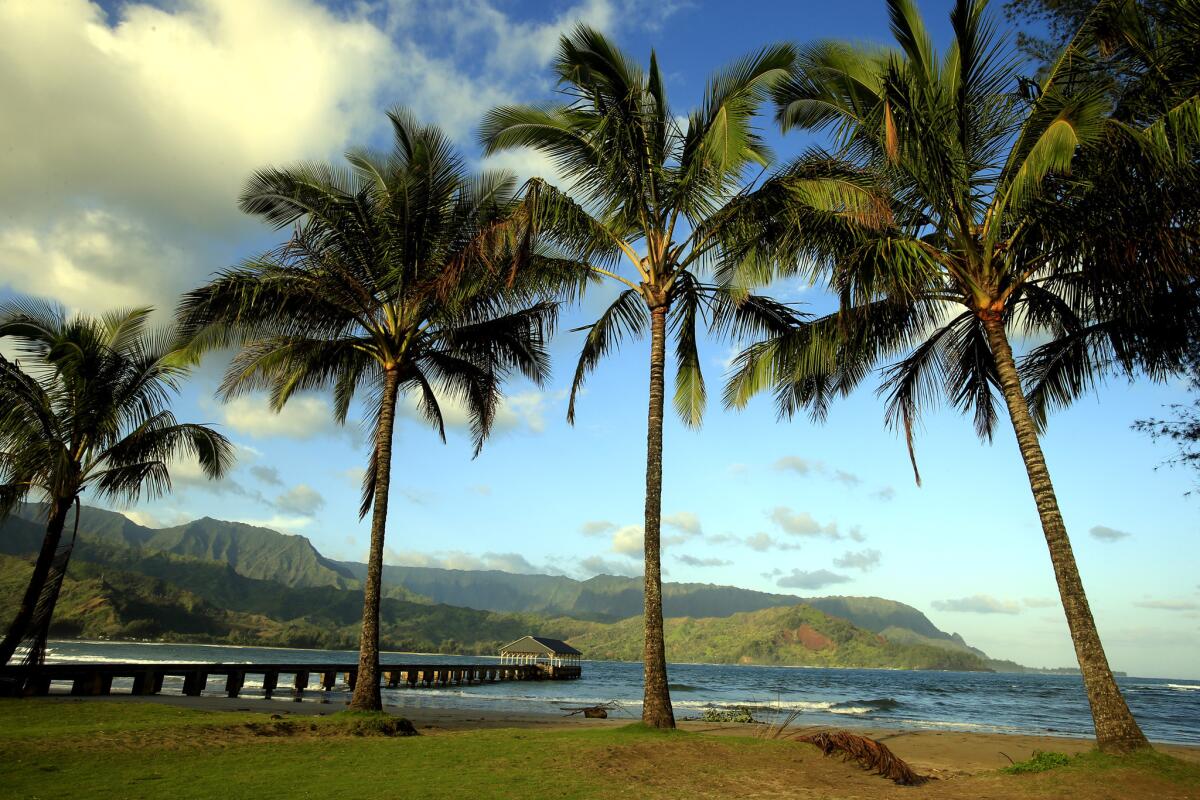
column 81, row 659
column 1185, row 687
column 854, row 710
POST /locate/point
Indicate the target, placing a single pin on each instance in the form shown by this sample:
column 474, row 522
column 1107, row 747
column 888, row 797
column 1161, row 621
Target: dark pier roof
column 540, row 645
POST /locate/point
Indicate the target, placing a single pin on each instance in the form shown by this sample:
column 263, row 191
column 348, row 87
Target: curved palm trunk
column 366, row 688
column 656, row 701
column 20, row 627
column 1116, row 729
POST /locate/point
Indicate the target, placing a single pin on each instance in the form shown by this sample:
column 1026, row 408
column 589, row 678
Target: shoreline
column 944, row 753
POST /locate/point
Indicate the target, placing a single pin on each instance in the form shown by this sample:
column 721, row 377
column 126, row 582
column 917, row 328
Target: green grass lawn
column 85, row 749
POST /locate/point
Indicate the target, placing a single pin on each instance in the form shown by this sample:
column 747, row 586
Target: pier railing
column 148, row 679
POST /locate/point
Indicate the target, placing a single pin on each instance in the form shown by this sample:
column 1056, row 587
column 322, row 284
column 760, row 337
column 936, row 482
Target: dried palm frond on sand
column 868, row 753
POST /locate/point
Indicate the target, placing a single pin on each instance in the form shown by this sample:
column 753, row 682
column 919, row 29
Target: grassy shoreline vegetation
column 84, row 749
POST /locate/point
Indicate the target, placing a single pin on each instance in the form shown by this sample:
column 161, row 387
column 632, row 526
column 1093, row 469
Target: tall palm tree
column 987, row 234
column 400, row 277
column 85, row 408
column 662, row 196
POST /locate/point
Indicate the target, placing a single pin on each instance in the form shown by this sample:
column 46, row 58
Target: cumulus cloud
column 280, row 522
column 444, row 560
column 807, row 466
column 801, row 523
column 598, row 565
column 1168, row 605
column 157, row 115
column 629, row 540
column 304, row 417
column 816, row 579
column 862, row 559
column 978, row 604
column 886, row 494
column 300, row 499
column 685, row 522
column 692, row 561
column 801, row 466
column 522, row 411
column 762, row 542
column 597, row 527
column 457, row 559
column 1107, row 534
column 267, row 475
column 129, row 128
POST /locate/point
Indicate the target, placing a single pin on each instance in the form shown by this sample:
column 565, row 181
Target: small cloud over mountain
column 977, row 604
column 692, row 561
column 862, row 559
column 816, row 579
column 300, row 499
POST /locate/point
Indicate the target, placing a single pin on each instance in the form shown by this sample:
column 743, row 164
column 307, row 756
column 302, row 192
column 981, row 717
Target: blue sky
column 133, row 125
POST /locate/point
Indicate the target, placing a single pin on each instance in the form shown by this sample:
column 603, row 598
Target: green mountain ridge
column 282, row 580
column 102, row 601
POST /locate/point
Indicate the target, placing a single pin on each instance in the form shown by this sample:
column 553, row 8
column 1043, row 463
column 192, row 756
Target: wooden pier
column 97, row 679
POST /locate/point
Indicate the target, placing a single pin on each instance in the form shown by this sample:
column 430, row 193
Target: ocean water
column 1168, row 710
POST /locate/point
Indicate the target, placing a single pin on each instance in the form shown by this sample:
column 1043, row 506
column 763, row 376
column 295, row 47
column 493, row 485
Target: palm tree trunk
column 366, row 688
column 37, row 581
column 656, row 702
column 1116, row 729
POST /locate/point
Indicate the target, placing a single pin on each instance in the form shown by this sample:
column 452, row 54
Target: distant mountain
column 99, row 601
column 214, row 604
column 251, row 551
column 609, row 598
column 786, row 635
column 254, row 570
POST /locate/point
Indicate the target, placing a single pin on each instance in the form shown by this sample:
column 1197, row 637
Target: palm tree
column 85, row 408
column 400, row 277
column 987, row 234
column 664, row 197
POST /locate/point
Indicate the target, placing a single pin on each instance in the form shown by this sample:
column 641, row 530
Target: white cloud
column 763, row 542
column 598, row 565
column 692, row 561
column 521, row 411
column 816, row 579
column 267, row 475
column 304, row 417
column 685, row 522
column 1107, row 534
column 629, row 540
column 157, row 113
column 801, row 523
column 301, row 499
column 91, row 260
column 597, row 527
column 978, row 604
column 280, row 522
column 457, row 559
column 157, row 116
column 801, row 466
column 861, row 559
